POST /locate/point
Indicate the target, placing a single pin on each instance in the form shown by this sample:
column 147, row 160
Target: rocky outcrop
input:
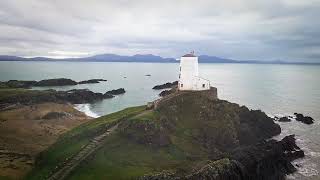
column 217, row 125
column 165, row 93
column 297, row 116
column 91, row 81
column 75, row 96
column 79, row 96
column 115, row 91
column 284, row 119
column 56, row 82
column 268, row 160
column 304, row 119
column 46, row 82
column 18, row 84
column 166, row 85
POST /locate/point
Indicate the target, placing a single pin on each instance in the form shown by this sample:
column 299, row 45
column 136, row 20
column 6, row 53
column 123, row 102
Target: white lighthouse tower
column 189, row 79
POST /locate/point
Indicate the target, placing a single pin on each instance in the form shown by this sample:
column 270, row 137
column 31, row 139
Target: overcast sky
column 239, row 29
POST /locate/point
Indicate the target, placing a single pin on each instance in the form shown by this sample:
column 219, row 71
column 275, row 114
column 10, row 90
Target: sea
column 276, row 89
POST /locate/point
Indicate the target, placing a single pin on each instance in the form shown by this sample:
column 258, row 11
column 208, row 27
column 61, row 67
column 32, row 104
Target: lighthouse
column 189, row 79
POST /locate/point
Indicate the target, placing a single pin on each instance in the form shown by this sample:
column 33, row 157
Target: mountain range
column 150, row 58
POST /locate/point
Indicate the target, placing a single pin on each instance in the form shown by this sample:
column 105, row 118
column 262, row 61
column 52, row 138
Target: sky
column 238, row 29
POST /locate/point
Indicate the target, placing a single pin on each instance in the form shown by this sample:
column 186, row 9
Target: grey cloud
column 242, row 29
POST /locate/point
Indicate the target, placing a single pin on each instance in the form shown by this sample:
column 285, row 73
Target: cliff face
column 186, row 135
column 230, row 136
column 217, row 126
column 267, row 161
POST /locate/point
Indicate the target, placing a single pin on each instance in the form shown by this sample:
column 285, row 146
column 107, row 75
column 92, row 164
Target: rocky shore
column 47, row 83
column 183, row 135
column 11, row 97
column 298, row 117
column 265, row 160
column 167, row 85
column 233, row 138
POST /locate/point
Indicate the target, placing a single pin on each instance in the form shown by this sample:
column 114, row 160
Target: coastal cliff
column 185, row 135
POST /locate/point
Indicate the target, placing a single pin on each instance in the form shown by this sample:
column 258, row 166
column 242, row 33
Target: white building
column 189, row 79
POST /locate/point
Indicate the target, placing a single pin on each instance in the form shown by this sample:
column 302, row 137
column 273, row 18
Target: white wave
column 86, row 109
column 308, row 169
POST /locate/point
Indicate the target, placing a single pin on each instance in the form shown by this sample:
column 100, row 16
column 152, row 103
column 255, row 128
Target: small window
column 203, row 85
column 179, row 76
column 180, row 68
column 181, row 85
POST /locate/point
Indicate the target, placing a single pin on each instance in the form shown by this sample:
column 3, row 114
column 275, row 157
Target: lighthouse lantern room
column 189, row 79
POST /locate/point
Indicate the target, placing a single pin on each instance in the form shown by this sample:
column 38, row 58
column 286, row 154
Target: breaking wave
column 86, row 109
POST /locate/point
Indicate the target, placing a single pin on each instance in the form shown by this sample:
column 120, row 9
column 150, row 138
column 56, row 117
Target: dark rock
column 92, row 81
column 56, row 82
column 255, row 125
column 108, row 96
column 116, row 91
column 267, row 160
column 165, row 93
column 75, row 96
column 166, row 85
column 79, row 96
column 304, row 119
column 284, row 119
column 308, row 120
column 19, row 84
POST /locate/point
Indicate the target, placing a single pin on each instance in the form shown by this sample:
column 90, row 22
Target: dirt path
column 84, row 153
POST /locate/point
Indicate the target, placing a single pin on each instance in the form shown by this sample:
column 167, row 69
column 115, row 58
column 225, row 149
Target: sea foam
column 86, row 109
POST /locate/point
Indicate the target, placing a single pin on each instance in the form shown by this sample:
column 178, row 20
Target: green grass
column 11, row 92
column 146, row 116
column 72, row 141
column 121, row 158
column 5, row 178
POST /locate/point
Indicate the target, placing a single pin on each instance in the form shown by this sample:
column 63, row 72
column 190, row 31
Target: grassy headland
column 179, row 136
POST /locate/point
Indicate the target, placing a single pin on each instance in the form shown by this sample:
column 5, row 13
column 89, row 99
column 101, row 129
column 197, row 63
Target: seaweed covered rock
column 79, row 96
column 284, row 119
column 56, row 82
column 116, row 91
column 28, row 97
column 166, row 85
column 19, row 84
column 91, row 81
column 304, row 119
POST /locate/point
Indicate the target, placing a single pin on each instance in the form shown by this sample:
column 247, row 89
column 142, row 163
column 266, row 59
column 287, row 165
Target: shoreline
column 85, row 108
column 27, row 130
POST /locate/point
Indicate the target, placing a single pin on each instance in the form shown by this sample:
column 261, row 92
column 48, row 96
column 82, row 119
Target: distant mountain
column 214, row 59
column 134, row 58
column 98, row 58
column 145, row 58
column 11, row 58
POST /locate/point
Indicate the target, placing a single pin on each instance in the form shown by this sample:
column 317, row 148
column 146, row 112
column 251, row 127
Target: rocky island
column 46, row 83
column 184, row 135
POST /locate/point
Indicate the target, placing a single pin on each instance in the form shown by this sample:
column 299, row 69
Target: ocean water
column 275, row 89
